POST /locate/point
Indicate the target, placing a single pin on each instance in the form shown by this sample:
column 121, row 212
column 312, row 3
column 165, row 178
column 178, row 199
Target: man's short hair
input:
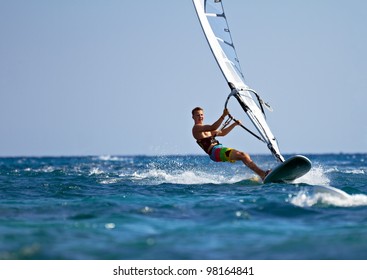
column 196, row 109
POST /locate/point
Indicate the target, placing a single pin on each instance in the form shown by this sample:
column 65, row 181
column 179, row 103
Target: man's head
column 198, row 114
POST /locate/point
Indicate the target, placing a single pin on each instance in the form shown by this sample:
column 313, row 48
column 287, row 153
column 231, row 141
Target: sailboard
column 214, row 23
column 289, row 170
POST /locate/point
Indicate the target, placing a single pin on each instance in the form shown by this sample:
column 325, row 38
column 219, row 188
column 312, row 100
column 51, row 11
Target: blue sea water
column 179, row 207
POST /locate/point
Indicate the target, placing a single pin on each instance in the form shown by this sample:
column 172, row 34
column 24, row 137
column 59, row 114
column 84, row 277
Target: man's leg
column 246, row 159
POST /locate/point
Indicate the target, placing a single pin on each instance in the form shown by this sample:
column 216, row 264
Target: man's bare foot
column 266, row 174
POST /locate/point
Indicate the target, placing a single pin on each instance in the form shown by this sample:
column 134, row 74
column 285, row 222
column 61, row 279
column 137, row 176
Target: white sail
column 214, row 23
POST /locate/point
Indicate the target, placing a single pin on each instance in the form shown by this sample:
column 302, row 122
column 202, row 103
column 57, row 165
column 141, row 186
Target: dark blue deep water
column 179, row 207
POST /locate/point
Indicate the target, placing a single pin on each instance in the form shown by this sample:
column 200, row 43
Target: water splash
column 95, row 171
column 316, row 176
column 183, row 177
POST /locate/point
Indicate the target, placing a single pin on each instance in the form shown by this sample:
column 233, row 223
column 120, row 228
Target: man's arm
column 228, row 129
column 216, row 125
column 211, row 128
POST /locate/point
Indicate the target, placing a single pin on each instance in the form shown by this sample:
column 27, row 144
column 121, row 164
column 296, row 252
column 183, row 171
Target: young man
column 205, row 137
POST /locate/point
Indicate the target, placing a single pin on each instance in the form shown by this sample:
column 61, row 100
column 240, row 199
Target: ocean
column 179, row 208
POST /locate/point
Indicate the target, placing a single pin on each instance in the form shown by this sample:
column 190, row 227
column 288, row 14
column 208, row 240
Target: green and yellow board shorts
column 221, row 154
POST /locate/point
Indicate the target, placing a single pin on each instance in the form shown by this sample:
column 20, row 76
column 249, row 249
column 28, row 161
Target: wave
column 316, row 195
column 306, row 199
column 109, row 158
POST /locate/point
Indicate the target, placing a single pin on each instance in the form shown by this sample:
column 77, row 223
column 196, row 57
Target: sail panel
column 222, row 33
column 214, row 24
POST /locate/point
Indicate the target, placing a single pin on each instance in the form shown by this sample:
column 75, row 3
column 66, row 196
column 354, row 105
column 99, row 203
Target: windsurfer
column 205, row 137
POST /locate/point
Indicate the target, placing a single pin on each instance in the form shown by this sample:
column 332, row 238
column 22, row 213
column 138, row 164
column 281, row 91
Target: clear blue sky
column 121, row 77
